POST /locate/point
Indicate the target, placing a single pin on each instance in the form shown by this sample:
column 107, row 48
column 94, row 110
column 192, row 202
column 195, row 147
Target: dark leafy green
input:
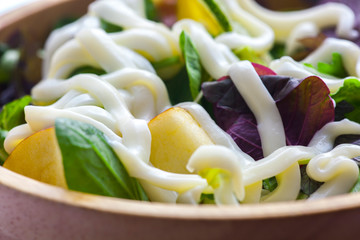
column 278, row 50
column 9, row 59
column 308, row 185
column 334, row 68
column 207, row 199
column 178, row 87
column 64, row 21
column 347, row 100
column 90, row 164
column 192, row 63
column 3, row 153
column 12, row 114
column 166, row 62
column 87, row 69
column 270, row 184
column 110, row 27
column 151, row 11
column 356, row 187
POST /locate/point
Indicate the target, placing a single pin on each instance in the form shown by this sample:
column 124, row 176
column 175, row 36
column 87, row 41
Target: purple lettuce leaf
column 304, row 105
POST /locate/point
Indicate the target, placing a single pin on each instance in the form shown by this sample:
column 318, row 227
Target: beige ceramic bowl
column 34, row 210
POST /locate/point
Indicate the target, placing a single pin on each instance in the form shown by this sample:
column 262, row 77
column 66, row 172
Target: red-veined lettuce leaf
column 304, row 105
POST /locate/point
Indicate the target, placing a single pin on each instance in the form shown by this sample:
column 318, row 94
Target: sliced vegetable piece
column 39, row 157
column 175, row 136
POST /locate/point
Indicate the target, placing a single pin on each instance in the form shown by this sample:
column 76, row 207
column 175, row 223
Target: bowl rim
column 59, row 195
column 112, row 205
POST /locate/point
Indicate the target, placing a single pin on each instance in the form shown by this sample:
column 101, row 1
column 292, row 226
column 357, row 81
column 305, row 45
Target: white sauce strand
column 261, row 35
column 326, row 15
column 336, row 169
column 215, row 61
column 263, row 106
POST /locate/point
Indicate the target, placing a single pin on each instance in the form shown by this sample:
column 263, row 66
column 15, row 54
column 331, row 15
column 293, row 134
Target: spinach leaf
column 12, row 113
column 178, row 88
column 90, row 164
column 110, row 27
column 3, row 153
column 87, row 69
column 150, row 10
column 192, row 63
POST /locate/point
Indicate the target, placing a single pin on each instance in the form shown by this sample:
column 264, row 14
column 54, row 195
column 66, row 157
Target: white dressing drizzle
column 287, row 66
column 208, row 157
column 326, row 15
column 323, row 140
column 259, row 100
column 350, row 53
column 215, row 61
column 336, row 169
column 261, row 35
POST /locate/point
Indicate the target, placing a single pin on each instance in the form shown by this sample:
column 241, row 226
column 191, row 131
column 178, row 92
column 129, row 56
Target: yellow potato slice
column 175, row 136
column 39, row 157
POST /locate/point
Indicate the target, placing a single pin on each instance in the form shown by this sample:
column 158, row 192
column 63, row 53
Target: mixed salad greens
column 111, row 75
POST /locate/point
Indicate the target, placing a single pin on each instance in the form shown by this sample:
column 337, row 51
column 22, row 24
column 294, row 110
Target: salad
column 224, row 102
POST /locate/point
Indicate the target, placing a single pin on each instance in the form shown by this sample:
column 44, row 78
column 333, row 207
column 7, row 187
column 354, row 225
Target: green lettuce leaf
column 356, row 187
column 3, row 153
column 12, row 113
column 334, row 68
column 247, row 53
column 347, row 100
column 90, row 164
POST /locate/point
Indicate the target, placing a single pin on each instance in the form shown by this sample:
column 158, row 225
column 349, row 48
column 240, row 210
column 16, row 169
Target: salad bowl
column 30, row 209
